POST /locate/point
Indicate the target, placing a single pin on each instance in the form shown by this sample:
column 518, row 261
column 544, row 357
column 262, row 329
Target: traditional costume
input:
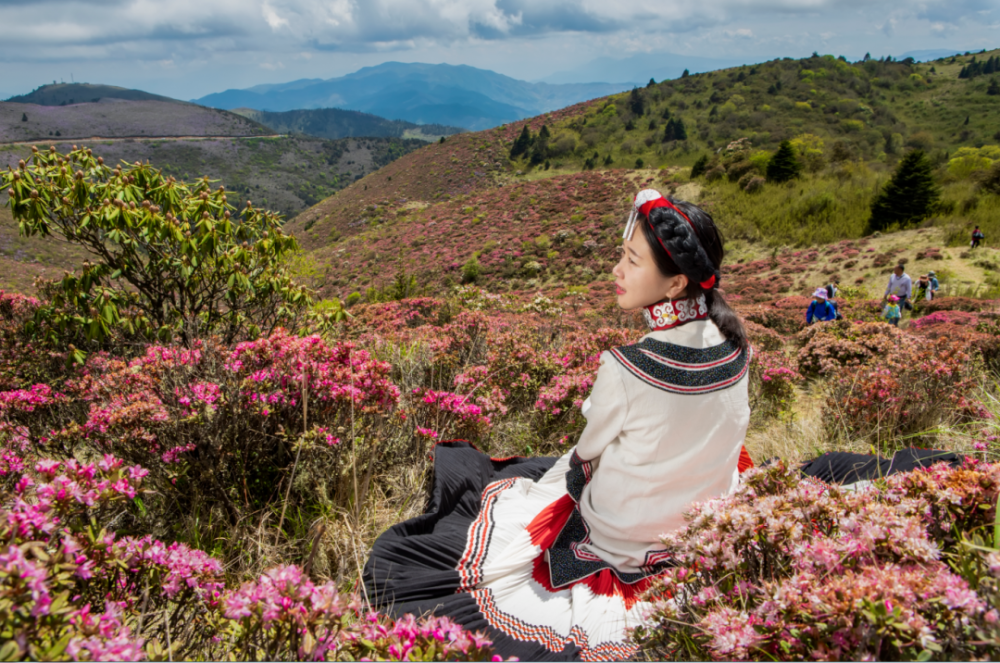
column 550, row 556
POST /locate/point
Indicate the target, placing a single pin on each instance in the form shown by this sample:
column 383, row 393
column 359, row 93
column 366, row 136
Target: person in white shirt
column 901, row 285
column 553, row 555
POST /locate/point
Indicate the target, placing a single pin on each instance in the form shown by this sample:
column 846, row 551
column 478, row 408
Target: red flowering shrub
column 829, row 348
column 70, row 591
column 772, row 380
column 792, row 569
column 914, row 388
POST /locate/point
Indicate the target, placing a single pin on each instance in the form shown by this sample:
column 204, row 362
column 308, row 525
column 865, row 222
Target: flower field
column 215, row 501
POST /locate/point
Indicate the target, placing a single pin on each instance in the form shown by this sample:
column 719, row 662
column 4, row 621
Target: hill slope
column 422, row 93
column 113, row 118
column 285, row 174
column 63, row 94
column 334, row 123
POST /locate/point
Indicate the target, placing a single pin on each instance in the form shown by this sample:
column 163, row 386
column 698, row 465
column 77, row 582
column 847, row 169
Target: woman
column 549, row 557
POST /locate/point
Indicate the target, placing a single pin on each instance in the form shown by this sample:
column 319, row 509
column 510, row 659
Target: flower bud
column 34, row 150
column 90, row 153
column 204, row 215
column 17, row 175
column 10, row 192
column 34, row 193
column 21, row 164
column 204, row 195
column 52, row 149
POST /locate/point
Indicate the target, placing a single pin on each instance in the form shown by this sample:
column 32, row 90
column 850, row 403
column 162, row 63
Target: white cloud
column 271, row 16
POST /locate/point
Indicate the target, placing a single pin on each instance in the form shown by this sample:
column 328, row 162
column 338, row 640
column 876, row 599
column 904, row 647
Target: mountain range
column 460, row 96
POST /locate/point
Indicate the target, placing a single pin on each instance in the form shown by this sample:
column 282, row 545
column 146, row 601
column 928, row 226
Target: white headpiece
column 641, row 198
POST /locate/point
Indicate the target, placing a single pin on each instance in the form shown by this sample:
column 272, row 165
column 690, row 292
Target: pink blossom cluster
column 789, row 568
column 451, row 412
column 272, row 370
column 26, row 400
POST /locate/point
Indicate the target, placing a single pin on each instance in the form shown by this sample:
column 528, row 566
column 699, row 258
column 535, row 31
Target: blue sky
column 188, row 48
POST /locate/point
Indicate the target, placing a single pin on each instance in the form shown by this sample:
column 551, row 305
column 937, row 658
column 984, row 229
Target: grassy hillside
column 333, row 123
column 62, row 94
column 112, row 118
column 870, row 110
column 284, row 174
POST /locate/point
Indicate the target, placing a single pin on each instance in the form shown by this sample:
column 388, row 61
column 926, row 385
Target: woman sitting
column 550, row 556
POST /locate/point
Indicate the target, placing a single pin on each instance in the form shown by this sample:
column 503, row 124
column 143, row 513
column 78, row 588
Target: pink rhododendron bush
column 72, row 589
column 217, row 500
column 793, row 569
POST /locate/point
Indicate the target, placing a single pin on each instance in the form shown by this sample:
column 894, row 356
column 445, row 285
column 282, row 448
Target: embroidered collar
column 670, row 314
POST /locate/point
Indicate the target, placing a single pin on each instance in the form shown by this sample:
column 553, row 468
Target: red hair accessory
column 645, row 202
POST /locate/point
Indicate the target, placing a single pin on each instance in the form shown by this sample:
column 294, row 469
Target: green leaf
column 9, row 651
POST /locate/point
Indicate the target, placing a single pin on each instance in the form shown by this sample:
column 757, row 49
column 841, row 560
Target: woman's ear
column 676, row 286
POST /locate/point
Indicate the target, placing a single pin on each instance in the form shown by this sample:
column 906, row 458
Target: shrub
column 787, row 569
column 171, row 260
column 471, row 270
column 772, row 380
column 754, row 184
column 73, row 592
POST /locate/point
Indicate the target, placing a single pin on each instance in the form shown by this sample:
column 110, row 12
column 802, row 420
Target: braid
column 693, row 247
column 680, row 240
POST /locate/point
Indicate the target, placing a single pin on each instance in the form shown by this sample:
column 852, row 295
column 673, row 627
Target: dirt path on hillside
column 125, row 139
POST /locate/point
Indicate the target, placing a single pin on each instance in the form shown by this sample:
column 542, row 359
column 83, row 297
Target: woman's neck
column 676, row 312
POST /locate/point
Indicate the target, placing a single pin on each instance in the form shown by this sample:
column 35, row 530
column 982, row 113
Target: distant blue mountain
column 929, row 54
column 638, row 69
column 459, row 96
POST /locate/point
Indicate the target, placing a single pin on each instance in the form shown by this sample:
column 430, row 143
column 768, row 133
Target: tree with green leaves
column 522, row 144
column 168, row 260
column 699, row 166
column 783, row 165
column 540, row 146
column 909, row 196
column 674, row 130
column 637, row 102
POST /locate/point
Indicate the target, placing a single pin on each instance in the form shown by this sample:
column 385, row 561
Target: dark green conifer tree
column 685, row 74
column 680, row 131
column 994, row 89
column 540, row 146
column 651, row 82
column 522, row 144
column 699, row 166
column 783, row 165
column 636, row 102
column 909, row 196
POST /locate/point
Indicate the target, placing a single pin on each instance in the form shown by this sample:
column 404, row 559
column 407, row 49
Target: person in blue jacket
column 820, row 308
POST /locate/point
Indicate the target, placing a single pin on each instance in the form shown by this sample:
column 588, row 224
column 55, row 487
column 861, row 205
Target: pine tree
column 699, row 166
column 540, row 146
column 636, row 102
column 994, row 88
column 909, row 196
column 651, row 83
column 24, row 117
column 666, row 113
column 685, row 74
column 680, row 131
column 522, row 144
column 783, row 166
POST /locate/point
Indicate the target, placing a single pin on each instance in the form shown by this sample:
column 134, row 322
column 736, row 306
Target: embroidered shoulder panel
column 682, row 370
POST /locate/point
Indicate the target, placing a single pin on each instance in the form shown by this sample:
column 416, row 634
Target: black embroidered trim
column 568, row 563
column 577, row 476
column 683, row 370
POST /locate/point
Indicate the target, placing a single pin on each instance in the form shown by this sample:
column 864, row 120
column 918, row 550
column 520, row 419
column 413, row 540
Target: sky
column 189, row 48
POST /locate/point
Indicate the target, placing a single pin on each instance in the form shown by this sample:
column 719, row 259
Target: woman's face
column 638, row 281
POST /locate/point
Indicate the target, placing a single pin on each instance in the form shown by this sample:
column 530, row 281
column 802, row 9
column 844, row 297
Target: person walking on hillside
column 901, row 285
column 923, row 288
column 832, row 289
column 820, row 309
column 891, row 311
column 935, row 286
column 977, row 237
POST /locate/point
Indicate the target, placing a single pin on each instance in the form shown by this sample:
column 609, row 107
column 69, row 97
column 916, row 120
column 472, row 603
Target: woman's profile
column 550, row 556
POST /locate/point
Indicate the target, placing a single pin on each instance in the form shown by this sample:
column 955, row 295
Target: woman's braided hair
column 693, row 247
